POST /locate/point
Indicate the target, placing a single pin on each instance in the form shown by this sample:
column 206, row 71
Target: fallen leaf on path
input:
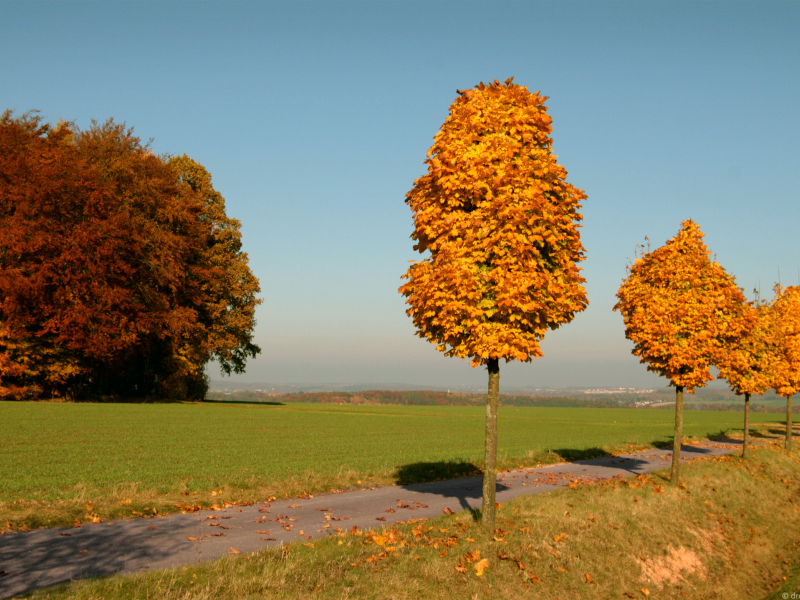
column 262, row 531
column 220, row 534
column 448, row 511
column 65, row 534
column 269, row 539
column 234, row 551
column 295, row 506
column 380, row 518
column 324, row 509
column 82, row 551
column 391, row 510
column 191, row 538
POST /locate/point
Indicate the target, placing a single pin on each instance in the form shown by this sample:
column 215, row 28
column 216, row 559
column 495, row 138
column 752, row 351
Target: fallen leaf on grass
column 234, row 551
column 525, row 529
column 503, row 556
column 588, row 578
column 554, row 553
column 448, row 511
column 442, row 553
column 460, row 567
column 629, row 595
column 646, row 592
column 481, row 566
column 308, row 544
column 533, row 578
column 519, row 564
column 558, row 538
column 472, row 556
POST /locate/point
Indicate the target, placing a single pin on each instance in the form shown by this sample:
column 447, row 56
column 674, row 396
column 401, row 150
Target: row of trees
column 685, row 314
column 499, row 224
column 120, row 272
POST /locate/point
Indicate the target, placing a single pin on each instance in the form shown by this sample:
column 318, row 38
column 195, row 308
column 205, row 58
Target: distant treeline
column 722, row 407
column 415, row 398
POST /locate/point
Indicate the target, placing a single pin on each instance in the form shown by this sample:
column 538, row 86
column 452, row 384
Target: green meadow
column 125, row 459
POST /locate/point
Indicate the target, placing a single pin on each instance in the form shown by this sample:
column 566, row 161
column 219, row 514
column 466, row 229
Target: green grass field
column 56, row 457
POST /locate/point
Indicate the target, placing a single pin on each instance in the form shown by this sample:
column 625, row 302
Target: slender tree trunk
column 746, row 424
column 490, row 468
column 788, row 423
column 676, row 446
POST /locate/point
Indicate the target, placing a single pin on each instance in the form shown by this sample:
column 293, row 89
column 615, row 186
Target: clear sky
column 314, row 119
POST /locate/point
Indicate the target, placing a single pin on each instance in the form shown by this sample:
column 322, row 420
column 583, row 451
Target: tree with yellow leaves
column 500, row 222
column 749, row 364
column 787, row 329
column 681, row 310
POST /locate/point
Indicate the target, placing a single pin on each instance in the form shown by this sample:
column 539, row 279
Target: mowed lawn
column 55, row 452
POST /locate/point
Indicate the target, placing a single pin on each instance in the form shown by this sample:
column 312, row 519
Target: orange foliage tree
column 108, row 275
column 749, row 363
column 500, row 222
column 787, row 332
column 681, row 310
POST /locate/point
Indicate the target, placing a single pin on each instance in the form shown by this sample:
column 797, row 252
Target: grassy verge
column 732, row 532
column 66, row 462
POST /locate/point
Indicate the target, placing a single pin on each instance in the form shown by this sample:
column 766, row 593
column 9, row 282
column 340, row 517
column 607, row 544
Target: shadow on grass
column 257, row 403
column 425, row 472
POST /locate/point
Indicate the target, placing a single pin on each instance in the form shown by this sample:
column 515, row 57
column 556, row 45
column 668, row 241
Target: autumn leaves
column 685, row 314
column 121, row 274
column 500, row 222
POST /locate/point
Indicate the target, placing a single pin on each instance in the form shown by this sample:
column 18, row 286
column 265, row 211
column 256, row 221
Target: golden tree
column 681, row 310
column 749, row 364
column 500, row 222
column 787, row 329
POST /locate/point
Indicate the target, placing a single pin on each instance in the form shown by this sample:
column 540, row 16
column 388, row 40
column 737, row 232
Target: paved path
column 48, row 556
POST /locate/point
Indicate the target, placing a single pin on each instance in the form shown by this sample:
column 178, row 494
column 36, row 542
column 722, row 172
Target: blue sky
column 314, row 119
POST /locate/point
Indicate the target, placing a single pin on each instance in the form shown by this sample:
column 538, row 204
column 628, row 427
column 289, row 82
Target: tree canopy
column 112, row 264
column 681, row 309
column 500, row 222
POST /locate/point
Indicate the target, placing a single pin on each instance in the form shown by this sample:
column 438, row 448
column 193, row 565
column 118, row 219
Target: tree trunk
column 490, row 466
column 746, row 424
column 788, row 423
column 676, row 445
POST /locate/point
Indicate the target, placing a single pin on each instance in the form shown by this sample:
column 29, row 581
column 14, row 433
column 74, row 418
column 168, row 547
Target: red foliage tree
column 104, row 265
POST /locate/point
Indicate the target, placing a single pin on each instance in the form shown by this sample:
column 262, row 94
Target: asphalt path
column 41, row 558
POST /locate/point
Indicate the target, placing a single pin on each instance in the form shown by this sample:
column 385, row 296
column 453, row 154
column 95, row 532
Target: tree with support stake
column 500, row 224
column 681, row 310
column 749, row 365
column 787, row 332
